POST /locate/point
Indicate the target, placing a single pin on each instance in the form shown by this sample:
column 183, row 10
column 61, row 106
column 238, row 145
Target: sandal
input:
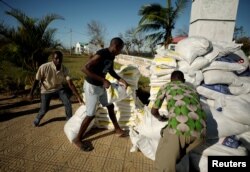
column 86, row 146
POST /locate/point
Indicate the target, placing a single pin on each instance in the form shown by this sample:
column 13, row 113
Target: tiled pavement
column 46, row 148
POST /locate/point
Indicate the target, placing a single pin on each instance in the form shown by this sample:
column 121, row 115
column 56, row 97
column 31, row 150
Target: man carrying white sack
column 94, row 87
column 186, row 127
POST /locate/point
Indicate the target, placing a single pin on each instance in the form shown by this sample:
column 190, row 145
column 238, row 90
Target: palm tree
column 30, row 44
column 160, row 21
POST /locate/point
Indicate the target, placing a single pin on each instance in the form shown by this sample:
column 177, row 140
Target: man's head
column 116, row 45
column 177, row 76
column 57, row 58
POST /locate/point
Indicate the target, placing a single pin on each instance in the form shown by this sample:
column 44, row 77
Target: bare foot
column 78, row 143
column 121, row 133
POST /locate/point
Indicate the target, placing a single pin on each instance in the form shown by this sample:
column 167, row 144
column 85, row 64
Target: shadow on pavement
column 8, row 115
column 53, row 120
column 18, row 104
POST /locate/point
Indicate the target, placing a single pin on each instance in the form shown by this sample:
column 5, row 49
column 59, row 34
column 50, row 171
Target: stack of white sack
column 204, row 67
column 163, row 64
column 191, row 60
column 224, row 84
column 125, row 113
column 145, row 130
column 145, row 136
column 227, row 116
column 116, row 92
column 126, row 107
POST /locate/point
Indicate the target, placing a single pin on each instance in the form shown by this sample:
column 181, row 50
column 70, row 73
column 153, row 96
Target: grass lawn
column 14, row 79
column 75, row 62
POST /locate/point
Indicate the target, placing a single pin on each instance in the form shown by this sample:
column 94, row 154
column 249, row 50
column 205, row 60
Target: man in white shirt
column 51, row 76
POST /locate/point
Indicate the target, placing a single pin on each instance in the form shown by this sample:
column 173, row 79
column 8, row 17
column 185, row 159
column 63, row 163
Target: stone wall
column 142, row 64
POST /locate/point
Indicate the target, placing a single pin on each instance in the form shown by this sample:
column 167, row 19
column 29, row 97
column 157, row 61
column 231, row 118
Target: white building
column 88, row 48
column 79, row 48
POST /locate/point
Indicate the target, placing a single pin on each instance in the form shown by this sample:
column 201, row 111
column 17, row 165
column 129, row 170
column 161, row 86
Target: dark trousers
column 45, row 101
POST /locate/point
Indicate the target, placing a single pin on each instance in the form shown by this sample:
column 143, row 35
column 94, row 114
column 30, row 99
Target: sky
column 117, row 16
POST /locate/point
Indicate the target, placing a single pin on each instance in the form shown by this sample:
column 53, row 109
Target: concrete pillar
column 213, row 19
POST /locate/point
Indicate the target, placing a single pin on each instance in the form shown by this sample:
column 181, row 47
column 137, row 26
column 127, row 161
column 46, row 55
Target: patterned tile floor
column 46, row 148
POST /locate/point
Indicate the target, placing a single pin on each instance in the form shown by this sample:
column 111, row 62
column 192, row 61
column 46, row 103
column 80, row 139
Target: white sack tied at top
column 236, row 61
column 150, row 126
column 72, row 126
column 225, row 77
column 244, row 88
column 219, row 77
column 130, row 74
column 219, row 125
column 237, row 108
column 192, row 47
column 146, row 134
column 194, row 77
column 117, row 92
column 233, row 107
column 145, row 144
column 225, row 48
column 198, row 64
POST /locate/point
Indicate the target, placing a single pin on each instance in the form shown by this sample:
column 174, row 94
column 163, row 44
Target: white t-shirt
column 51, row 79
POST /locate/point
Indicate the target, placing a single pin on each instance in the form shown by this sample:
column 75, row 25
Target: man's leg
column 44, row 107
column 85, row 123
column 113, row 118
column 91, row 100
column 104, row 101
column 67, row 104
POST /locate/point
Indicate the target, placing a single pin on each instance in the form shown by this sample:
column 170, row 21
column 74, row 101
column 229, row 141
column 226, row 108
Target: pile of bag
column 144, row 134
column 220, row 72
column 124, row 108
column 125, row 102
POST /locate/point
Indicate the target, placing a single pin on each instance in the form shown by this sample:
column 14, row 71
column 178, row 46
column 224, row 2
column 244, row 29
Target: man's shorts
column 93, row 95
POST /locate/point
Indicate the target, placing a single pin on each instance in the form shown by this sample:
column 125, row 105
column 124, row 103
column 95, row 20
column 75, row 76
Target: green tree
column 246, row 44
column 97, row 32
column 238, row 32
column 132, row 40
column 160, row 21
column 30, row 43
column 241, row 38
